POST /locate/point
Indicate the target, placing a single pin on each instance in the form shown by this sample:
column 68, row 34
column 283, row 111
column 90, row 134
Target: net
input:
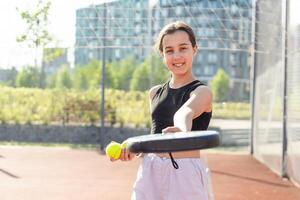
column 277, row 91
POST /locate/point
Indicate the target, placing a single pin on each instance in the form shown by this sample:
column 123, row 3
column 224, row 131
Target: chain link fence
column 276, row 138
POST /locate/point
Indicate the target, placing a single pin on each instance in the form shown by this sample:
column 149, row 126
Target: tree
column 141, row 76
column 159, row 71
column 28, row 77
column 81, row 81
column 220, row 86
column 51, row 81
column 63, row 79
column 36, row 34
column 51, row 54
column 89, row 76
column 123, row 71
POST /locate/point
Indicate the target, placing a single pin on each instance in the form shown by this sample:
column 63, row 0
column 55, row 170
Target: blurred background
column 77, row 72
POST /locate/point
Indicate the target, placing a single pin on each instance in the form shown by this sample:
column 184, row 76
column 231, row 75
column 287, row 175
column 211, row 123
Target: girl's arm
column 200, row 101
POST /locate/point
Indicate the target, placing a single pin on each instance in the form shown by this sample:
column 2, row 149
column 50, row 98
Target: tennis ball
column 113, row 150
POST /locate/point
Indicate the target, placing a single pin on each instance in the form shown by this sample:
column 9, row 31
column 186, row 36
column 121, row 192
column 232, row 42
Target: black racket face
column 172, row 142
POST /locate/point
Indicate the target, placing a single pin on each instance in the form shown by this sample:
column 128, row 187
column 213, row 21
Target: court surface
column 59, row 173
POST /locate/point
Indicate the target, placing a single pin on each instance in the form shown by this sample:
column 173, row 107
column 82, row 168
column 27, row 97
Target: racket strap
column 174, row 163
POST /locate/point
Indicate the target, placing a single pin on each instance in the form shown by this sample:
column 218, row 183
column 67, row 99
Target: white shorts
column 157, row 179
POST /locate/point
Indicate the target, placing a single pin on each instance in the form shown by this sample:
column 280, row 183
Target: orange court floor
column 62, row 173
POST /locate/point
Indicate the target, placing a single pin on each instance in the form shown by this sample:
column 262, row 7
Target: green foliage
column 51, row 54
column 36, row 33
column 51, row 81
column 220, row 86
column 160, row 73
column 23, row 105
column 231, row 110
column 122, row 72
column 93, row 71
column 140, row 78
column 28, row 77
column 28, row 105
column 152, row 68
column 122, row 75
column 90, row 76
column 63, row 79
column 110, row 78
column 80, row 77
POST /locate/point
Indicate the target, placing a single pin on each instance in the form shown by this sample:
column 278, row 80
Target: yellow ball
column 113, row 150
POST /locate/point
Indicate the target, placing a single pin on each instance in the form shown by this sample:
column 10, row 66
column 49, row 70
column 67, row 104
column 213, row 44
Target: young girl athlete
column 181, row 104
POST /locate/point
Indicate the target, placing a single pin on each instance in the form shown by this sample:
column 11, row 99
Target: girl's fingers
column 130, row 156
column 125, row 155
column 171, row 129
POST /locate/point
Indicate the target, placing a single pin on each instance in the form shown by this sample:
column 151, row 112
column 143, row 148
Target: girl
column 181, row 104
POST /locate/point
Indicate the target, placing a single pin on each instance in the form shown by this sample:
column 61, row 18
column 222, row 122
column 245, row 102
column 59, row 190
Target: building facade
column 119, row 26
column 222, row 28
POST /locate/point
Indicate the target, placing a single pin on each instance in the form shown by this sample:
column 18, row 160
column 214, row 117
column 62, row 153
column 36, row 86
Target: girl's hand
column 125, row 156
column 171, row 129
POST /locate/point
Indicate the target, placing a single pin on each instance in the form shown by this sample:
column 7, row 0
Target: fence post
column 285, row 20
column 102, row 128
column 253, row 74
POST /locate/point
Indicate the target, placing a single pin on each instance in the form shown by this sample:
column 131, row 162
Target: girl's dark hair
column 171, row 28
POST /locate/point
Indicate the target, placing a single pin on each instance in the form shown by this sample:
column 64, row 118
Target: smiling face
column 178, row 52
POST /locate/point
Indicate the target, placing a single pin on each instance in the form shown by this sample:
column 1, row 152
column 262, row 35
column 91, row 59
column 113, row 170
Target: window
column 232, row 59
column 231, row 34
column 208, row 70
column 90, row 54
column 212, row 44
column 117, row 53
column 234, row 9
column 197, row 70
column 195, row 10
column 118, row 41
column 178, row 10
column 199, row 58
column 138, row 29
column 200, row 32
column 213, row 4
column 189, row 21
column 92, row 15
column 212, row 58
column 210, row 32
column 164, row 13
column 163, row 2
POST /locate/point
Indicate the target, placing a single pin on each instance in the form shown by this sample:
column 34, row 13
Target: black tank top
column 167, row 101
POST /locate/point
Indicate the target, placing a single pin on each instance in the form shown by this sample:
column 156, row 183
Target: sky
column 62, row 27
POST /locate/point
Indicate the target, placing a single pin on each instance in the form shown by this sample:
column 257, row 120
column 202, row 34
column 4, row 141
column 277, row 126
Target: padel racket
column 172, row 142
